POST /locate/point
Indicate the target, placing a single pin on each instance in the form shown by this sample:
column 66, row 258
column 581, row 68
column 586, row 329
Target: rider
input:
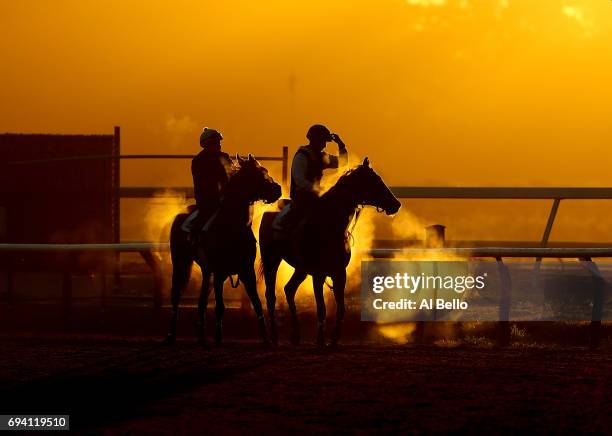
column 210, row 169
column 307, row 170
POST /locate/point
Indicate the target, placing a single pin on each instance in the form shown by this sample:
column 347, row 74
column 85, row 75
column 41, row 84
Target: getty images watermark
column 415, row 283
column 397, row 291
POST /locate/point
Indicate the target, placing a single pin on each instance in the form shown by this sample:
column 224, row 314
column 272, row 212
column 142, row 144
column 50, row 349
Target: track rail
column 146, row 250
column 493, row 252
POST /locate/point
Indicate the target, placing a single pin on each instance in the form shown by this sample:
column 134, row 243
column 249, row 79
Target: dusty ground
column 114, row 385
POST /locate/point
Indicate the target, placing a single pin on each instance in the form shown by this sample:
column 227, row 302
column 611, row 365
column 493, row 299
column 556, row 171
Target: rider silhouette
column 210, row 169
column 307, row 170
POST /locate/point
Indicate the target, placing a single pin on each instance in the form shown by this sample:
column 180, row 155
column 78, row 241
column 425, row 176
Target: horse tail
column 260, row 270
column 179, row 244
column 265, row 241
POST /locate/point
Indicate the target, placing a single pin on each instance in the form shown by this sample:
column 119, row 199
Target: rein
column 349, row 233
column 350, row 237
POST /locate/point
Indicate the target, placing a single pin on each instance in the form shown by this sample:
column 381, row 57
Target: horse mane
column 341, row 185
column 234, row 176
column 237, row 178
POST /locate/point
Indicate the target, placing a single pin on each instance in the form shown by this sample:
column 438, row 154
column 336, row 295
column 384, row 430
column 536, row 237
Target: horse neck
column 235, row 209
column 339, row 206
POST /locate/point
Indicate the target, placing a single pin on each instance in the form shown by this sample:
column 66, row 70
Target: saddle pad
column 187, row 224
column 279, row 223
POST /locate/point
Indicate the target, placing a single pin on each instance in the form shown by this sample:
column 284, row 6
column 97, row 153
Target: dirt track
column 134, row 385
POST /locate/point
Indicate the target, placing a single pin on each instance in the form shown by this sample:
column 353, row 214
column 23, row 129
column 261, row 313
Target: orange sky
column 444, row 92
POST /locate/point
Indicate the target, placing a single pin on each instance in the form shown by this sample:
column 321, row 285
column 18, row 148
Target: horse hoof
column 295, row 339
column 274, row 338
column 202, row 341
column 218, row 335
column 170, row 339
column 274, row 342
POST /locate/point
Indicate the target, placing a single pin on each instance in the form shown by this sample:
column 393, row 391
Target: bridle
column 351, row 230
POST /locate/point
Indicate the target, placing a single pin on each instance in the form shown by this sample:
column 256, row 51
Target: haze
column 435, row 92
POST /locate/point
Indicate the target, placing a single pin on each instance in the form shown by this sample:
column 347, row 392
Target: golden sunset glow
column 435, row 92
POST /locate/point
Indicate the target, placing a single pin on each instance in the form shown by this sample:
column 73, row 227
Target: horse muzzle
column 272, row 194
column 394, row 207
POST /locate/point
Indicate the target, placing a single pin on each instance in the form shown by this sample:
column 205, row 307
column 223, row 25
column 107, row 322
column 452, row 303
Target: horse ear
column 366, row 162
column 239, row 159
column 251, row 158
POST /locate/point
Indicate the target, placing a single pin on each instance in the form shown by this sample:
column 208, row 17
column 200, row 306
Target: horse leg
column 290, row 289
column 339, row 280
column 270, row 266
column 202, row 306
column 317, row 284
column 219, row 307
column 181, row 271
column 250, row 285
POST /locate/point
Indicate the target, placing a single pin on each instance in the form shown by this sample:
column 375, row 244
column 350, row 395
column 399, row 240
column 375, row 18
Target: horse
column 320, row 245
column 227, row 246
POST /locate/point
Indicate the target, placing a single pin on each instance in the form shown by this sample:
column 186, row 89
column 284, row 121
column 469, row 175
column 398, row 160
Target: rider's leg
column 204, row 214
column 196, row 227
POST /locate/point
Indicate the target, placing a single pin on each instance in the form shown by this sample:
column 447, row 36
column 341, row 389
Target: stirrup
column 193, row 238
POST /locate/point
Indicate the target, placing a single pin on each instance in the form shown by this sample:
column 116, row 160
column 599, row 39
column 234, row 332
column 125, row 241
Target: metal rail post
column 117, row 204
column 10, row 279
column 153, row 261
column 504, row 331
column 66, row 297
column 599, row 285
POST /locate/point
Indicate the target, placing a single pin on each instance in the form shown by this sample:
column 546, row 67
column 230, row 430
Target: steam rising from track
column 160, row 212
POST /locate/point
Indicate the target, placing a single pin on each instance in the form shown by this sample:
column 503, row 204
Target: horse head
column 369, row 189
column 253, row 181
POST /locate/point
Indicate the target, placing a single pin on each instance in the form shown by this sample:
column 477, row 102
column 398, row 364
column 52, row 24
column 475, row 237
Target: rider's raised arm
column 299, row 171
column 340, row 161
column 342, row 157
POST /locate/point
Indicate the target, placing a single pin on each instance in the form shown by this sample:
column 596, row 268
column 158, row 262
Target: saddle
column 188, row 224
column 287, row 221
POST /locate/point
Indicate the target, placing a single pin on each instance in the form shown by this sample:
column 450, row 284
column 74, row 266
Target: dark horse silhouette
column 227, row 247
column 320, row 245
